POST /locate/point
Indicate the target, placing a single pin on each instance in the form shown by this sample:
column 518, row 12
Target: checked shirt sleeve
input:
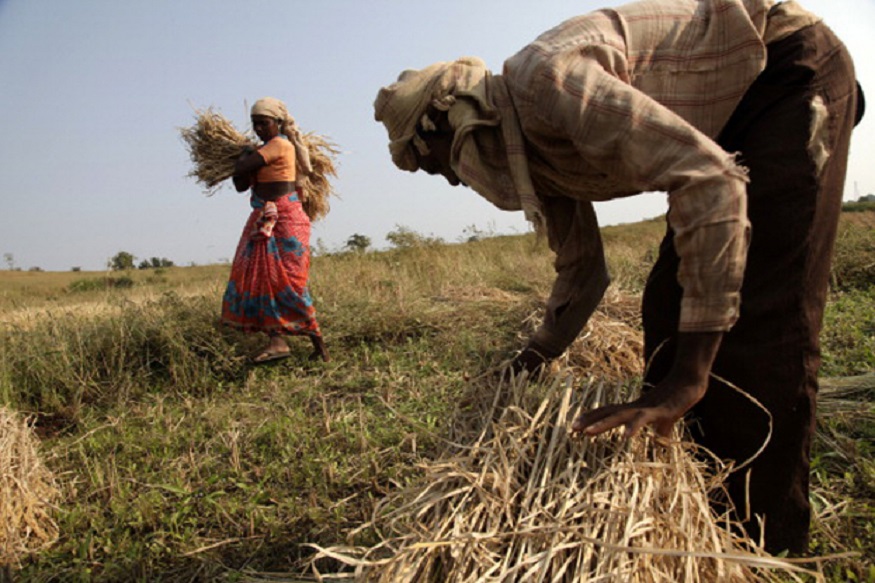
column 625, row 134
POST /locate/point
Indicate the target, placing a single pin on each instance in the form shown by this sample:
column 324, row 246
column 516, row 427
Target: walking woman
column 268, row 288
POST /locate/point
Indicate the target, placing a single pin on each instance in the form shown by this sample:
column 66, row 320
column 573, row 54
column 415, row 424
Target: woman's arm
column 248, row 162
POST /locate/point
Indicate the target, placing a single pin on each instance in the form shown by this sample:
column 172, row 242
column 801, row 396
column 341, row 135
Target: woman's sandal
column 266, row 356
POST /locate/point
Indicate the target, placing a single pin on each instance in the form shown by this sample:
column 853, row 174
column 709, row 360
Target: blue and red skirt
column 268, row 288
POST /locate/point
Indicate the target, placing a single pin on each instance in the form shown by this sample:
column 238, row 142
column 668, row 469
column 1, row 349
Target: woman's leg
column 319, row 349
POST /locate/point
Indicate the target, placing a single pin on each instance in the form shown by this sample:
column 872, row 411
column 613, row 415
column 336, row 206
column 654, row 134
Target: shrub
column 101, row 283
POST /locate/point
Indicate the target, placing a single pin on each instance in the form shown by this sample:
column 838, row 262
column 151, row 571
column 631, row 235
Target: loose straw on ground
column 27, row 492
column 214, row 145
column 522, row 500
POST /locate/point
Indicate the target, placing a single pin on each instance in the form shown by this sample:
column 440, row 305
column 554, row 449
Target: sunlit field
column 175, row 460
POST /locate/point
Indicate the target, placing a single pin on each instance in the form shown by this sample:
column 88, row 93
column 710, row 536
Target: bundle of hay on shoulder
column 214, row 145
column 519, row 499
column 27, row 492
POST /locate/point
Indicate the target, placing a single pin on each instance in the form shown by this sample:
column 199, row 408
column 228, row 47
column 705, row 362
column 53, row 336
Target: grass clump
column 74, row 360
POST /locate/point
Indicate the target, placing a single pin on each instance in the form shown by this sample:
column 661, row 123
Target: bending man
column 741, row 110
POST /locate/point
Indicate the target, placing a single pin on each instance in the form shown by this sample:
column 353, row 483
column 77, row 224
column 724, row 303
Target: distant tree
column 77, row 268
column 35, row 268
column 155, row 263
column 319, row 249
column 121, row 261
column 10, row 261
column 473, row 233
column 405, row 237
column 358, row 243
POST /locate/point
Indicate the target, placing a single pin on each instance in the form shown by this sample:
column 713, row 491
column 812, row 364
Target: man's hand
column 532, row 360
column 668, row 401
column 660, row 407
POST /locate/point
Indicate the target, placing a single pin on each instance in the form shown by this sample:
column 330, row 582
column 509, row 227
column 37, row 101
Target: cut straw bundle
column 610, row 347
column 27, row 491
column 316, row 187
column 521, row 500
column 214, row 145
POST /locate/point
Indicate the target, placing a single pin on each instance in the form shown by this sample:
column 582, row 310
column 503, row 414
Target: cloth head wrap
column 272, row 107
column 488, row 153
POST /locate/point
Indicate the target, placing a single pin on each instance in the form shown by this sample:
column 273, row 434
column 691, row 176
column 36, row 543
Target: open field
column 175, row 461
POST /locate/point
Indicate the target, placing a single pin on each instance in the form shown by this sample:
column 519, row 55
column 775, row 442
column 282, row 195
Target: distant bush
column 405, row 237
column 155, row 263
column 101, row 283
column 859, row 206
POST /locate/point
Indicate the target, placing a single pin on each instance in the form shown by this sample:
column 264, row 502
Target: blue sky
column 94, row 91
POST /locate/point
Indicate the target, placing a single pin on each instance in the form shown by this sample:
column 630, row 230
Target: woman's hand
column 669, row 400
column 247, row 163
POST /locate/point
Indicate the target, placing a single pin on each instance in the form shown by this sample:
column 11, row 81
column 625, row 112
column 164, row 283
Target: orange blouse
column 279, row 154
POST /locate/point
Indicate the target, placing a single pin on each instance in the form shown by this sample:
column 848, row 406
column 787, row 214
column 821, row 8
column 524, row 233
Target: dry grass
column 316, row 188
column 92, row 309
column 611, row 346
column 850, row 400
column 27, row 491
column 520, row 499
column 214, row 145
column 190, row 467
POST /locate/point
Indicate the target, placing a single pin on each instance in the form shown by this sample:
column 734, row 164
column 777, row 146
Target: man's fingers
column 663, row 428
column 604, row 419
column 634, row 425
column 589, row 417
column 632, row 417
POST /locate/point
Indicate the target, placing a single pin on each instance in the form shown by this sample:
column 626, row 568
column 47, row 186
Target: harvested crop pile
column 27, row 492
column 520, row 499
column 611, row 345
column 214, row 145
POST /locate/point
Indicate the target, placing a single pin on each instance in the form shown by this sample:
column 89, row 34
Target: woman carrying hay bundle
column 268, row 287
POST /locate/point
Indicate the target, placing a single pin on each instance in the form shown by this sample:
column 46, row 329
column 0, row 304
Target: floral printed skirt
column 267, row 291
